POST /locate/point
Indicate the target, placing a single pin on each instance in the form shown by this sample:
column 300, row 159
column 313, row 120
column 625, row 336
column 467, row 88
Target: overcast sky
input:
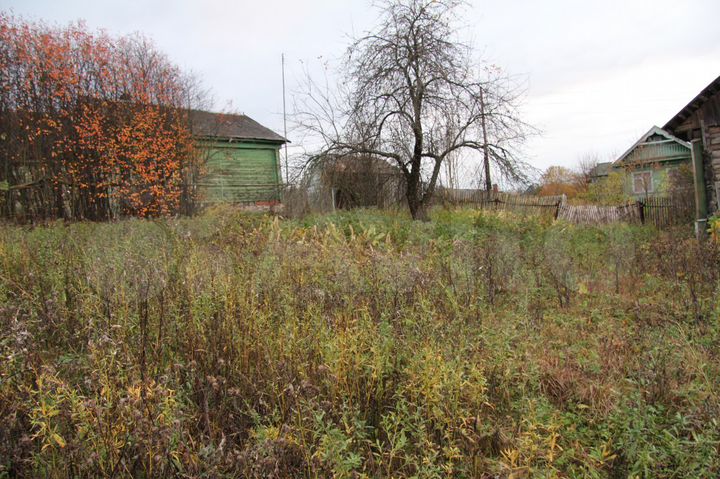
column 599, row 73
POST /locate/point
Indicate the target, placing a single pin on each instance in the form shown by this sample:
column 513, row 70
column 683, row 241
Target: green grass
column 360, row 344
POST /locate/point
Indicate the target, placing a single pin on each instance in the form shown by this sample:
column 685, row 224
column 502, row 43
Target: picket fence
column 668, row 211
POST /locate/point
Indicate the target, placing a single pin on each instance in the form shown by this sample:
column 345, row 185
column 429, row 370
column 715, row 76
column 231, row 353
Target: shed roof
column 643, row 141
column 694, row 104
column 360, row 164
column 231, row 126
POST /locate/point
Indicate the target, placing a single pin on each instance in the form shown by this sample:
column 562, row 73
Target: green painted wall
column 239, row 172
column 660, row 173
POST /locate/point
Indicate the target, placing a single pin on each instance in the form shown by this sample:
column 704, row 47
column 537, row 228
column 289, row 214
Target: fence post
column 560, row 203
column 641, row 211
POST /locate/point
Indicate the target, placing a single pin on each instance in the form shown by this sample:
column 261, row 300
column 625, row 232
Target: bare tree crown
column 412, row 95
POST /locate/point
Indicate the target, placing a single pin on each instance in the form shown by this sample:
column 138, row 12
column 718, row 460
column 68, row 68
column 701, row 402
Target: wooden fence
column 661, row 212
column 658, row 211
column 668, row 211
column 499, row 201
column 594, row 214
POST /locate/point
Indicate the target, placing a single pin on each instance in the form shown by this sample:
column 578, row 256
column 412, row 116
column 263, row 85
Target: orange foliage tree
column 558, row 180
column 91, row 126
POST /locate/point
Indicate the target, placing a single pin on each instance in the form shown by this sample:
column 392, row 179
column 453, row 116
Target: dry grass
column 357, row 345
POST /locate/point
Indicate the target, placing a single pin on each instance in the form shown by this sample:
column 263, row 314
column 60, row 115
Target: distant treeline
column 91, row 126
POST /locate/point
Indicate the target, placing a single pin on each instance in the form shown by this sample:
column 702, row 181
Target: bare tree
column 412, row 96
column 586, row 168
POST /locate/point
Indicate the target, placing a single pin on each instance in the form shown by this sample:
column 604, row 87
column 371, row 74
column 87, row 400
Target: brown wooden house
column 699, row 122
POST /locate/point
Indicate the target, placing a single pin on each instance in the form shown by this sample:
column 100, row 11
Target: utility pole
column 486, row 159
column 287, row 170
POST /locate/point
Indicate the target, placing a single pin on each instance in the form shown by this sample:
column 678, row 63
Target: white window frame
column 651, row 188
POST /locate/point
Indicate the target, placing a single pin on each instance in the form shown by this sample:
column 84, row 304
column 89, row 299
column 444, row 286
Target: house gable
column 651, row 161
column 655, row 146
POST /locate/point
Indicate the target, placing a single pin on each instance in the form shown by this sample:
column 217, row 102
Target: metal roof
column 230, row 126
column 694, row 104
column 601, row 169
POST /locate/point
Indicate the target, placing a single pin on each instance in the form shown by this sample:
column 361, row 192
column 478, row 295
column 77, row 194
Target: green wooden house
column 657, row 162
column 241, row 159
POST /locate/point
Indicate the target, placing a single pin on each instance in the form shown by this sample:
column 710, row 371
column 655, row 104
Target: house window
column 642, row 182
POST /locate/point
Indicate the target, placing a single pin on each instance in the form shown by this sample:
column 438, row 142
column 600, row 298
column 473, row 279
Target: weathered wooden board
column 594, row 214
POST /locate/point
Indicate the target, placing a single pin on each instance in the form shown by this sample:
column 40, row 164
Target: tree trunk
column 418, row 208
column 419, row 212
column 486, row 156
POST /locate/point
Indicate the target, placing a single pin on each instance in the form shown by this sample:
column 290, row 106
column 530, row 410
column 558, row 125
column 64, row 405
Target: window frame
column 639, row 174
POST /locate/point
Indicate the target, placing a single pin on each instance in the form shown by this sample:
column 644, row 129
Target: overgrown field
column 357, row 345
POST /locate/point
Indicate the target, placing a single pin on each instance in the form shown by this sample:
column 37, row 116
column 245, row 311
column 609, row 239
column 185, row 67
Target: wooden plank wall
column 241, row 173
column 712, row 146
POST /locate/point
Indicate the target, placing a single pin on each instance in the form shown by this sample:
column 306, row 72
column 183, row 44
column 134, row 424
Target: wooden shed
column 699, row 122
column 356, row 181
column 241, row 159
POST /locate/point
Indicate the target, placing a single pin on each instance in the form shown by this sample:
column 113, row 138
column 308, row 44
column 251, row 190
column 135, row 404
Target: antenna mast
column 287, row 172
